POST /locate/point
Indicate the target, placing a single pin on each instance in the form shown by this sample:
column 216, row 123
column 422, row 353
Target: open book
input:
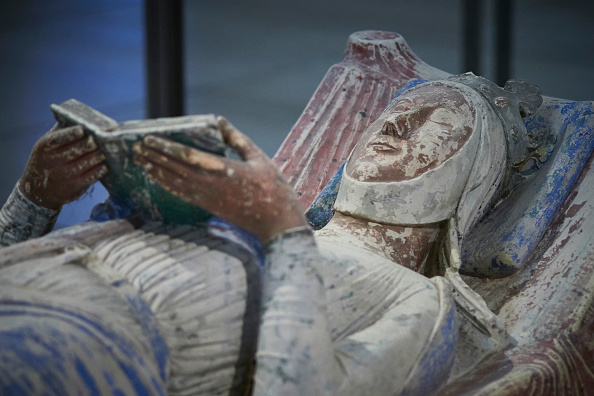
column 126, row 182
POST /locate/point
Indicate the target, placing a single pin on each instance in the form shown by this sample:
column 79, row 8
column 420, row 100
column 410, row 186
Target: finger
column 73, row 151
column 143, row 153
column 60, row 137
column 187, row 154
column 95, row 173
column 86, row 163
column 82, row 183
column 159, row 165
column 173, row 183
column 243, row 145
column 149, row 158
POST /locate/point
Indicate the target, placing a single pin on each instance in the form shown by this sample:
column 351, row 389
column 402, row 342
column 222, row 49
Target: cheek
column 367, row 164
column 437, row 147
column 359, row 154
column 365, row 170
column 423, row 145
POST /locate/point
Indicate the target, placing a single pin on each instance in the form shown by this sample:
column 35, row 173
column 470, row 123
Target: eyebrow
column 425, row 108
column 404, row 101
column 445, row 124
column 437, row 122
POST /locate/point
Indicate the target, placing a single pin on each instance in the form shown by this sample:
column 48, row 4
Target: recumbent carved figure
column 141, row 306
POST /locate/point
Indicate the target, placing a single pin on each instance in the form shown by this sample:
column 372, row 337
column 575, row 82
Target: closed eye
column 404, row 125
column 407, row 122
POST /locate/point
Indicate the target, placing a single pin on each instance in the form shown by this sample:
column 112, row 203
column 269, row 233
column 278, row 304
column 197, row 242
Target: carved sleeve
column 21, row 219
column 294, row 336
column 387, row 346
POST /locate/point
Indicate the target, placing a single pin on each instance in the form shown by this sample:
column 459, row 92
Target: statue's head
column 441, row 149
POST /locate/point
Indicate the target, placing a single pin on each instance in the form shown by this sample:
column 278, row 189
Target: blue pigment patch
column 435, row 366
column 112, row 209
column 151, row 330
column 135, row 380
column 246, row 238
column 408, row 85
column 87, row 378
column 503, row 241
column 320, row 211
column 53, row 338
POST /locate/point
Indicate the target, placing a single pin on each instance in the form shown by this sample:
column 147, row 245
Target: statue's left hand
column 250, row 193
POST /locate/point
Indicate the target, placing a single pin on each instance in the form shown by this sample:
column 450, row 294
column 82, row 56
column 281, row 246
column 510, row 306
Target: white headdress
column 465, row 184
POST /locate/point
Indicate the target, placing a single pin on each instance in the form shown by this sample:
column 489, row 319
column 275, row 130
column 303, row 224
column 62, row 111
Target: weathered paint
column 324, row 331
column 55, row 332
column 351, row 96
column 546, row 304
column 320, row 211
column 547, row 308
column 21, row 219
column 62, row 154
column 505, row 239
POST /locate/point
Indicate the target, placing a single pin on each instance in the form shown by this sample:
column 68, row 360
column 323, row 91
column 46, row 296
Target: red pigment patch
column 574, row 209
column 575, row 226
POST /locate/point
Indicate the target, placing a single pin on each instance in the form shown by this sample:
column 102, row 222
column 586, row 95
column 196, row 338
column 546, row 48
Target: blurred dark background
column 256, row 62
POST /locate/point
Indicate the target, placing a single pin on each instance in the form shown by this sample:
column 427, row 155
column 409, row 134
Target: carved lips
column 384, row 144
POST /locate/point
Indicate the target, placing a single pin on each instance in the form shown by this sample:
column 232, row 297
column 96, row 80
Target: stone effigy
column 135, row 306
column 546, row 220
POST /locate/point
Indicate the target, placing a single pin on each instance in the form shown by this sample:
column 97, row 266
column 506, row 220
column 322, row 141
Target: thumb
column 243, row 145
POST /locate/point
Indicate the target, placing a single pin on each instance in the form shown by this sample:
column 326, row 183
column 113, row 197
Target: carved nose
column 401, row 129
column 389, row 129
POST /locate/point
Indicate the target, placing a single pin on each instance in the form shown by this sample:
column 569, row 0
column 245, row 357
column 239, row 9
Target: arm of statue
column 64, row 163
column 296, row 352
column 390, row 346
column 253, row 194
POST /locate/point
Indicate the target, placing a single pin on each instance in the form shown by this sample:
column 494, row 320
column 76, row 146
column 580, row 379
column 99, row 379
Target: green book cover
column 126, row 182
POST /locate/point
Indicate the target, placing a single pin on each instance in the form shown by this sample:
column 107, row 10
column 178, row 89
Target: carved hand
column 250, row 193
column 64, row 163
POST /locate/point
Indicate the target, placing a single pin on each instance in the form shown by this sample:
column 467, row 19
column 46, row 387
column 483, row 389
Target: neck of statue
column 405, row 245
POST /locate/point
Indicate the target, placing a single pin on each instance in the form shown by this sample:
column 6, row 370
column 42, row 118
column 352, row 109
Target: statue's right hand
column 63, row 164
column 250, row 193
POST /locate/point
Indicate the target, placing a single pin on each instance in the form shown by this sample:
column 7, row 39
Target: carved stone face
column 419, row 131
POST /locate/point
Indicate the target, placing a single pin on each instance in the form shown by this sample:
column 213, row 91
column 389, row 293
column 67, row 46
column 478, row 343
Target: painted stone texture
column 552, row 356
column 373, row 303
